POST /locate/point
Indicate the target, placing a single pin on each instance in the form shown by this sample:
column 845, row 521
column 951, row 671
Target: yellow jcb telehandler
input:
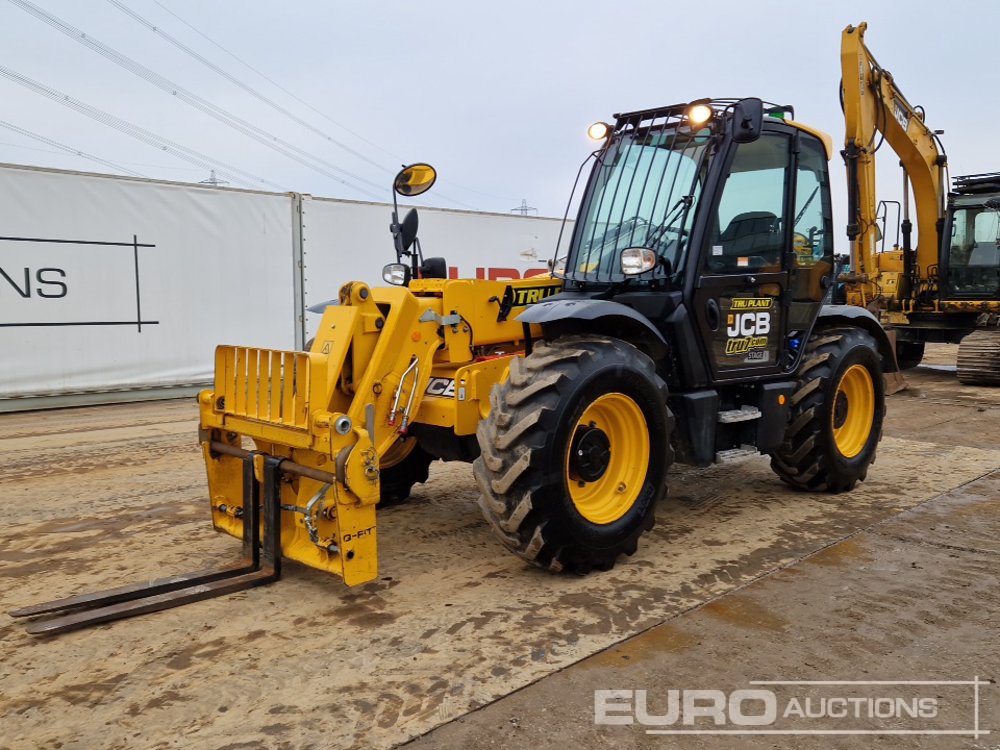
column 686, row 322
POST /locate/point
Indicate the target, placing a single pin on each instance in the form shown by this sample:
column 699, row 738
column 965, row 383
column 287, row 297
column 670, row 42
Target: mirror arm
column 397, row 235
column 416, row 258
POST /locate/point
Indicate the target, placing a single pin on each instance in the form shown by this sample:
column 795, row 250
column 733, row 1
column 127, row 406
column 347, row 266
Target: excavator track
column 979, row 358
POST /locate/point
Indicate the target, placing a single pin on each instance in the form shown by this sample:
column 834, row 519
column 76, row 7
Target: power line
column 276, row 84
column 64, row 147
column 181, row 152
column 134, row 163
column 252, row 131
column 249, row 89
column 301, row 101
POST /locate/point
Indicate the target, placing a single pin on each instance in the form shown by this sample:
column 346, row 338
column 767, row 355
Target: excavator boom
column 875, row 110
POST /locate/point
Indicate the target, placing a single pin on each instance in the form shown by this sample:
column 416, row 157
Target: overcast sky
column 496, row 95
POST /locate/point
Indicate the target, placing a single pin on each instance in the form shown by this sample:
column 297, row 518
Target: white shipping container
column 113, row 283
column 114, row 288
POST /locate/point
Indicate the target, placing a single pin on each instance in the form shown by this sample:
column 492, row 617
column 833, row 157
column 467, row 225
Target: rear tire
column 574, row 453
column 836, row 413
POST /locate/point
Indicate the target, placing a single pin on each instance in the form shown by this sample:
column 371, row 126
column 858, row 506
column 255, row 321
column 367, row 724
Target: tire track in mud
column 36, row 430
column 20, row 466
column 36, row 424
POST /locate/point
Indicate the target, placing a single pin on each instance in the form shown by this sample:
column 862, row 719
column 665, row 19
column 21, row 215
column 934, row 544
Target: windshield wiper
column 667, row 223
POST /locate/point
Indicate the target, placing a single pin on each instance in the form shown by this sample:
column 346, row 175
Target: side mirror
column 397, row 274
column 414, row 179
column 408, row 229
column 748, row 120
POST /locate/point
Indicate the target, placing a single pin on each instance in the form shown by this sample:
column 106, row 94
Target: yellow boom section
column 332, row 414
column 327, row 411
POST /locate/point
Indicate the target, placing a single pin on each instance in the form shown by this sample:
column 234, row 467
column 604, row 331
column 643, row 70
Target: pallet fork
column 260, row 564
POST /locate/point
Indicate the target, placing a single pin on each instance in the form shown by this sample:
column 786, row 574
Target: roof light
column 599, row 131
column 699, row 114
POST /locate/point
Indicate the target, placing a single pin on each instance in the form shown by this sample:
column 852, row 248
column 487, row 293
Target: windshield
column 974, row 256
column 640, row 194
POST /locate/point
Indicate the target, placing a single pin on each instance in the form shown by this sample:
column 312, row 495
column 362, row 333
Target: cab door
column 740, row 300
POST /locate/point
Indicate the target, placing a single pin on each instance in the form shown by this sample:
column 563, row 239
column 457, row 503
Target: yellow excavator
column 688, row 320
column 947, row 287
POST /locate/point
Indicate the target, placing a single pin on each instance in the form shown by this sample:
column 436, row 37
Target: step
column 743, row 414
column 735, row 454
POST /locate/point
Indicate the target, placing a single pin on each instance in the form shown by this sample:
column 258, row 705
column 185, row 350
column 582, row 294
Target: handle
column 713, row 314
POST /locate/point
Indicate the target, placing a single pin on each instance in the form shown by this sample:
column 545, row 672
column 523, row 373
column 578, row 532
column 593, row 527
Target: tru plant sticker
column 748, row 324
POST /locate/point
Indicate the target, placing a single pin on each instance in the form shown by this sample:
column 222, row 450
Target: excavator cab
column 970, row 248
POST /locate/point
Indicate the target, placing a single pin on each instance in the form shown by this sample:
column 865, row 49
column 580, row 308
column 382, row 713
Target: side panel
column 180, row 270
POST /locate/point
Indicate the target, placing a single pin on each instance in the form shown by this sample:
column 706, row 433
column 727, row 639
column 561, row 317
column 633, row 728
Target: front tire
column 404, row 465
column 909, row 354
column 574, row 453
column 836, row 414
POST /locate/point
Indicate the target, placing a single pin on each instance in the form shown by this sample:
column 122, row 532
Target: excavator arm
column 875, row 109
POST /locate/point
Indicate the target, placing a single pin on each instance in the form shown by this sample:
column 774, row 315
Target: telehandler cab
column 686, row 322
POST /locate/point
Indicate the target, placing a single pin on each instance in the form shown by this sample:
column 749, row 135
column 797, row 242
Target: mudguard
column 859, row 316
column 601, row 316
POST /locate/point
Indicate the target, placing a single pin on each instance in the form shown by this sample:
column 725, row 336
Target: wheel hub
column 840, row 408
column 590, row 454
column 853, row 411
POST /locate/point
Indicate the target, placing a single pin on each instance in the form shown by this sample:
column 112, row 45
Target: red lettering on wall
column 504, row 273
column 497, row 274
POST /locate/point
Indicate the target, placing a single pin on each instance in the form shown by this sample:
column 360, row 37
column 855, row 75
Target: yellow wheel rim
column 399, row 450
column 607, row 458
column 853, row 411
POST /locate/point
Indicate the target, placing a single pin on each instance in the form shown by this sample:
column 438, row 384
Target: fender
column 596, row 316
column 862, row 318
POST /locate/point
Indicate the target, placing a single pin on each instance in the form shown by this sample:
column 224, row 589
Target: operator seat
column 985, row 254
column 754, row 235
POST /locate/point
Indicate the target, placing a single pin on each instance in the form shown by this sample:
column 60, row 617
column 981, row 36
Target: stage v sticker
column 748, row 328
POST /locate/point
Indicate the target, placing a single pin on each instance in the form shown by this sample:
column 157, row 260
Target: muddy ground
column 459, row 644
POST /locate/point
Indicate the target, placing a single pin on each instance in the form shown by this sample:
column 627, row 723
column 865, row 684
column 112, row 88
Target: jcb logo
column 749, row 324
column 441, row 387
